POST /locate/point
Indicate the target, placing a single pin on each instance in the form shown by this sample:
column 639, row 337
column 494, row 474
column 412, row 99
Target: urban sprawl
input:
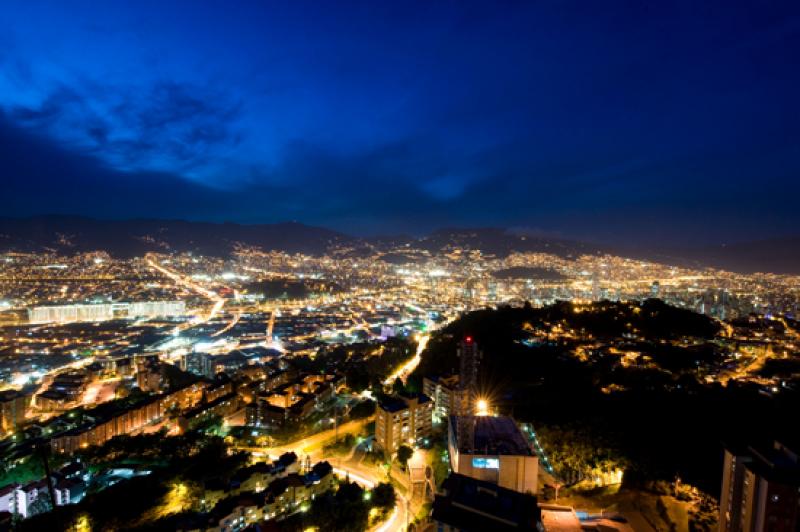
column 301, row 365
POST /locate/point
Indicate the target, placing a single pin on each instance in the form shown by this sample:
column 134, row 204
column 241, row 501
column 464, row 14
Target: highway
column 219, row 302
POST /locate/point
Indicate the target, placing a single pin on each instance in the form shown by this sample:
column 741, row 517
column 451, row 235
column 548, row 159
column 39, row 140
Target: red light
column 468, row 339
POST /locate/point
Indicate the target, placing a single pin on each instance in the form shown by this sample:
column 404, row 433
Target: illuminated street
column 321, row 266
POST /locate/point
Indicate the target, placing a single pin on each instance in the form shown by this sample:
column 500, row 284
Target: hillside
column 128, row 238
column 618, row 381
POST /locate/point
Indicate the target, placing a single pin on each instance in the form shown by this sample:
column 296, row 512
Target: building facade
column 403, row 421
column 13, row 404
column 104, row 311
column 498, row 452
column 760, row 490
column 444, row 393
column 469, row 504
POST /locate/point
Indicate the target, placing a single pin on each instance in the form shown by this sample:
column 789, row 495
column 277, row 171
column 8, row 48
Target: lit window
column 486, row 463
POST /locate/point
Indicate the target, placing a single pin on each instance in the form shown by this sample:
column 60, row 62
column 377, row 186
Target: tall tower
column 655, row 289
column 271, row 326
column 724, row 300
column 469, row 358
column 491, row 291
column 470, row 290
column 595, row 287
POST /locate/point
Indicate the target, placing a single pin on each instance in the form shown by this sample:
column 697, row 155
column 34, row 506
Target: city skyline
column 627, row 123
column 358, row 266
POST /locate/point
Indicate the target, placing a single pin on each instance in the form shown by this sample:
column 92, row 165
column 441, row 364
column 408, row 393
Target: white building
column 104, row 311
column 498, row 452
column 70, row 313
column 16, row 499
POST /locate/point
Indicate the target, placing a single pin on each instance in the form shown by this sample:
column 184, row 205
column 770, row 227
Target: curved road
column 365, row 476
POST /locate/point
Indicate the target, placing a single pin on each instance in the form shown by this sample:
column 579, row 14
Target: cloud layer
column 630, row 123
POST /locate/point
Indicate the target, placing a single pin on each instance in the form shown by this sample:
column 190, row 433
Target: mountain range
column 128, row 238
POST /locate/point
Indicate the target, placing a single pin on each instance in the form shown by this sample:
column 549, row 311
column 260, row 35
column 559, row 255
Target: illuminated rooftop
column 496, row 435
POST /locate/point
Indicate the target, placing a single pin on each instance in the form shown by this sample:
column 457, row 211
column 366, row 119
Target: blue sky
column 631, row 122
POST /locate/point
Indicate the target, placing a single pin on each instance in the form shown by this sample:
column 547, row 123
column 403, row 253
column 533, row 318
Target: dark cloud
column 168, row 126
column 40, row 177
column 632, row 121
column 62, row 104
column 371, row 193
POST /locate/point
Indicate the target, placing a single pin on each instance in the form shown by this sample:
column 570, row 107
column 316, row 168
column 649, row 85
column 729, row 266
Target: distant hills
column 128, row 238
column 776, row 255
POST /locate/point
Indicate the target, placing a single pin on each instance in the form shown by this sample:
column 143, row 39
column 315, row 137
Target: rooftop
column 401, row 402
column 497, row 435
column 777, row 463
column 450, row 381
column 470, row 504
column 392, row 404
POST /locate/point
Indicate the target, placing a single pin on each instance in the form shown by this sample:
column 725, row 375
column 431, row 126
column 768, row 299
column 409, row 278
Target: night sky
column 632, row 122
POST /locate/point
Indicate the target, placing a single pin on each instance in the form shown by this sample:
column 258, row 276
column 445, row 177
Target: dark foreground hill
column 623, row 383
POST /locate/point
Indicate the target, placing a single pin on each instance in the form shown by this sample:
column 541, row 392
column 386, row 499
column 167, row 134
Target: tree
column 345, row 510
column 362, row 409
column 383, row 496
column 404, row 454
column 398, row 387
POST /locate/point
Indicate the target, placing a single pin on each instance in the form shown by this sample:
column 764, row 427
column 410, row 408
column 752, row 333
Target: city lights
column 94, row 341
column 422, row 266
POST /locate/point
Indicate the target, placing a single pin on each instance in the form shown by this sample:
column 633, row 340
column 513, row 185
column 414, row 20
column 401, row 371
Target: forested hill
column 504, row 334
column 624, row 383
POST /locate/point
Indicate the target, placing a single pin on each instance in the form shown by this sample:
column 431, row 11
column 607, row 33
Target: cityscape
column 353, row 267
column 309, row 367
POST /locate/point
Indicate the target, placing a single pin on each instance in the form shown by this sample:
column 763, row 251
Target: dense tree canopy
column 656, row 415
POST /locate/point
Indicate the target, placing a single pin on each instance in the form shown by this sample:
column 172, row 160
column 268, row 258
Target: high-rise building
column 760, row 490
column 655, row 289
column 403, row 420
column 149, row 374
column 491, row 291
column 595, row 287
column 444, row 393
column 13, row 404
column 470, row 290
column 469, row 359
column 198, row 363
column 724, row 303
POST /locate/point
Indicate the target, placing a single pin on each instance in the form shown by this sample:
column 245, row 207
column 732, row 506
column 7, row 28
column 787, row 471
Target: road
column 747, row 366
column 363, row 475
column 181, row 280
column 236, row 317
column 311, row 445
column 405, row 370
column 368, row 478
